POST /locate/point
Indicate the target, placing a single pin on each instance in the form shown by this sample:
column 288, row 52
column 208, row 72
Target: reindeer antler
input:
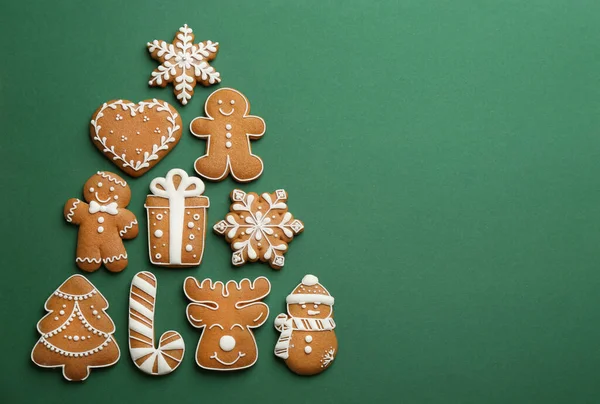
column 247, row 291
column 207, row 293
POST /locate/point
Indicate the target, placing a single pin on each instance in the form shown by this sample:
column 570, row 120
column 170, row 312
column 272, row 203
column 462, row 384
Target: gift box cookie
column 176, row 219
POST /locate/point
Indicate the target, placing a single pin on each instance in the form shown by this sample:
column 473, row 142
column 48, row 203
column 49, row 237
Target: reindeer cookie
column 229, row 129
column 227, row 313
column 102, row 223
column 307, row 342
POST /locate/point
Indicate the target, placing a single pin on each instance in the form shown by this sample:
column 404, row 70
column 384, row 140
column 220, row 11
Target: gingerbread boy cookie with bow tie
column 103, row 222
column 229, row 129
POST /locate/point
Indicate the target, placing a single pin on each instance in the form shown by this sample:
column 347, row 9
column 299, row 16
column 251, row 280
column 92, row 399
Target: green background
column 444, row 156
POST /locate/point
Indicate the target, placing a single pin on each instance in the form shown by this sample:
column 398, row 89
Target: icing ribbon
column 111, row 208
column 165, row 188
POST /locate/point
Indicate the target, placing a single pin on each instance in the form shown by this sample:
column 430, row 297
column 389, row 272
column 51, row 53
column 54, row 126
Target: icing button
column 308, row 339
column 228, row 145
column 228, row 135
column 307, row 349
column 228, row 126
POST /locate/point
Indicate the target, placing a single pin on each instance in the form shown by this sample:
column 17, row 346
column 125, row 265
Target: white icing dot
column 64, row 306
column 92, row 189
column 92, row 306
column 76, row 338
column 157, row 256
column 228, row 144
column 99, row 185
column 70, row 337
column 100, row 229
column 228, row 126
column 196, row 216
column 219, row 102
column 189, row 248
column 62, row 312
column 232, row 102
column 191, row 225
column 308, row 339
column 100, row 219
column 56, row 318
column 95, row 312
column 83, row 338
column 194, row 255
column 116, row 197
column 159, row 216
column 191, row 237
column 307, row 349
column 112, row 189
column 158, row 233
column 303, row 306
column 228, row 135
column 98, row 317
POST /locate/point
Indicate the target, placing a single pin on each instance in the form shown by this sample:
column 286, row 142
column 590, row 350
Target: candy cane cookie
column 154, row 361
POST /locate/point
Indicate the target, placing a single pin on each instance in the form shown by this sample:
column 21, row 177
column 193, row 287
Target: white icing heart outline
column 133, row 108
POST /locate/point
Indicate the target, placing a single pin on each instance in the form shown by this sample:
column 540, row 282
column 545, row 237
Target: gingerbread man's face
column 226, row 102
column 309, row 310
column 107, row 188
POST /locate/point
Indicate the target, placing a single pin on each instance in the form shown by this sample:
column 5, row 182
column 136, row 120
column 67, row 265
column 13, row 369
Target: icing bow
column 188, row 186
column 111, row 208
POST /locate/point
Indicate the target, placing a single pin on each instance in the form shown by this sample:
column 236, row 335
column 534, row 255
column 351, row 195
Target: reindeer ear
column 200, row 315
column 255, row 314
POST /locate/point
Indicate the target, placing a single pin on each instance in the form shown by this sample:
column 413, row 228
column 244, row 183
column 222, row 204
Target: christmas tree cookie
column 77, row 333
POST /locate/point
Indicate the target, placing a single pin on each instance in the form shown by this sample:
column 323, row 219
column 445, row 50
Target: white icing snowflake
column 259, row 227
column 328, row 357
column 183, row 63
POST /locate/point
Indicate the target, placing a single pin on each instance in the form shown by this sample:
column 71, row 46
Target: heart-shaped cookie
column 135, row 136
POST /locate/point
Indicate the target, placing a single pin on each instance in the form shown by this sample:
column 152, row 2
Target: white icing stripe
column 115, row 258
column 140, row 308
column 137, row 353
column 309, row 298
column 140, row 328
column 72, row 210
column 148, row 364
column 163, row 366
column 122, row 232
column 111, row 178
column 142, row 284
column 177, row 344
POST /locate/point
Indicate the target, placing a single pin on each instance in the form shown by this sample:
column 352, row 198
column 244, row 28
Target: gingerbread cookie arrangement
column 103, row 222
column 77, row 333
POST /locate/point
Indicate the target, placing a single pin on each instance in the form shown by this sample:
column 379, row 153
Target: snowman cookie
column 307, row 342
column 229, row 129
column 103, row 222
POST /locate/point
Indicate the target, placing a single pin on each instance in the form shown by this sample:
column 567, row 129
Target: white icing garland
column 72, row 211
column 164, row 141
column 111, row 178
column 129, row 226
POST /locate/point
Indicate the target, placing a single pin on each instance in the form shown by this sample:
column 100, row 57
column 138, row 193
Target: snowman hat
column 310, row 291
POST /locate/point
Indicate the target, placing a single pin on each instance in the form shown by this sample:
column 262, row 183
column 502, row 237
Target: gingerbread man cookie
column 102, row 223
column 229, row 130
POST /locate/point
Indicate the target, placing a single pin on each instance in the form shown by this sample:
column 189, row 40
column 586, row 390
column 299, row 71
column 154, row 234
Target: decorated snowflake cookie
column 259, row 227
column 183, row 63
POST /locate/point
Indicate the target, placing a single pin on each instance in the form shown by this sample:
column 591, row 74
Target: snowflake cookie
column 259, row 227
column 183, row 63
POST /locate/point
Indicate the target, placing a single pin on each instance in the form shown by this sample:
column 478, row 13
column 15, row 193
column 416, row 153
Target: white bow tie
column 111, row 208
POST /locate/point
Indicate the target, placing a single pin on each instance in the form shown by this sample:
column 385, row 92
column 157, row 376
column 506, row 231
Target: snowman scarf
column 286, row 325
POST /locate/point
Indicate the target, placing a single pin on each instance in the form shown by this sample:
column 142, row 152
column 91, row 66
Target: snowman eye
column 116, row 197
column 99, row 185
column 303, row 306
column 91, row 189
column 219, row 102
column 232, row 102
column 112, row 189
